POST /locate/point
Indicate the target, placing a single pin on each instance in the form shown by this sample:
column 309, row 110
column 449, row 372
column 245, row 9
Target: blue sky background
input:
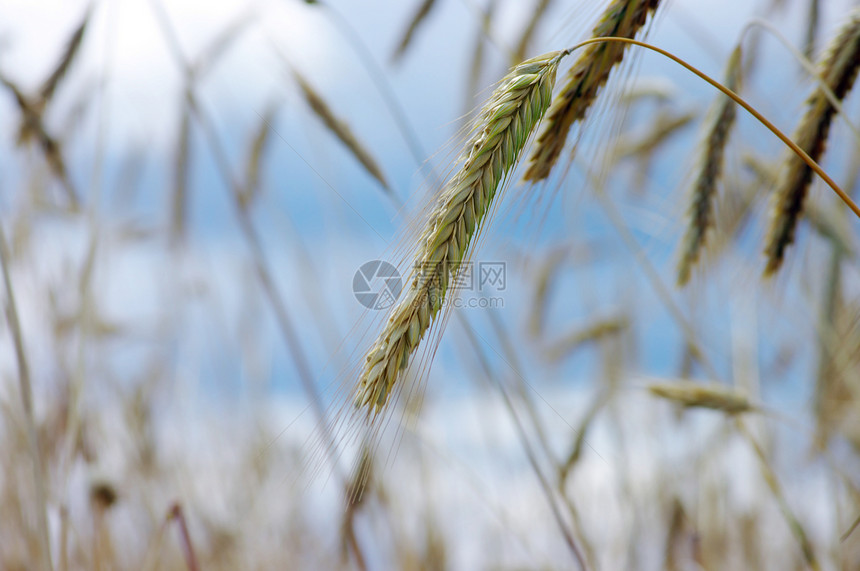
column 320, row 205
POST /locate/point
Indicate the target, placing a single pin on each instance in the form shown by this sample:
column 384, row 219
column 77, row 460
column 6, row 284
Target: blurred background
column 190, row 188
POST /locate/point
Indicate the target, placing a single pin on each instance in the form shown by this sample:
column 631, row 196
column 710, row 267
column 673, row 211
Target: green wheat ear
column 504, row 125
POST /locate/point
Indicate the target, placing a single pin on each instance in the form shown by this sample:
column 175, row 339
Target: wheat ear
column 702, row 197
column 698, row 395
column 622, row 18
column 72, row 49
column 839, row 68
column 341, row 130
column 421, row 14
column 502, row 129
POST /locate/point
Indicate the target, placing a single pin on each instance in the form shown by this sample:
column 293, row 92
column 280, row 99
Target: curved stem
column 740, row 101
column 804, row 62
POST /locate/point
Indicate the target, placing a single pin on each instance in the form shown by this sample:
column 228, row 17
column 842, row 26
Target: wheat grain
column 503, row 127
column 703, row 195
column 839, row 69
column 253, row 165
column 699, row 395
column 622, row 18
column 473, row 77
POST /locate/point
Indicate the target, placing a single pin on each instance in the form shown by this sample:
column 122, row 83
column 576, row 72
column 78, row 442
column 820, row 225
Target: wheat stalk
column 838, row 69
column 503, row 127
column 622, row 18
column 702, row 197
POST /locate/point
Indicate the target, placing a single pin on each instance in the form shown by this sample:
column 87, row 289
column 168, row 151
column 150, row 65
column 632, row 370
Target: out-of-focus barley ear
column 356, row 486
column 699, row 395
column 421, row 14
column 501, row 131
column 543, row 283
column 622, row 18
column 812, row 19
column 676, row 535
column 255, row 155
column 473, row 78
column 181, row 154
column 592, row 332
column 341, row 130
column 537, row 13
column 579, row 443
column 33, row 128
column 642, row 148
column 50, row 85
column 658, row 89
column 361, row 476
column 838, row 68
column 703, row 194
column 665, row 125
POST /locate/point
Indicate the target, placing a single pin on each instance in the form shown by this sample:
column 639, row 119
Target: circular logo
column 377, row 285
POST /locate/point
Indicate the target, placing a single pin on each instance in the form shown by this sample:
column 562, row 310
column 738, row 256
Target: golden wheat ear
column 340, row 129
column 838, row 68
column 504, row 125
column 703, row 194
column 698, row 395
column 622, row 18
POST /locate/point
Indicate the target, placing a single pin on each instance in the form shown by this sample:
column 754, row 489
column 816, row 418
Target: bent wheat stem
column 502, row 129
column 803, row 155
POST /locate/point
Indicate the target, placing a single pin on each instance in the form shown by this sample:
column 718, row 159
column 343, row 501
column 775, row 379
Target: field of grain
column 437, row 284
